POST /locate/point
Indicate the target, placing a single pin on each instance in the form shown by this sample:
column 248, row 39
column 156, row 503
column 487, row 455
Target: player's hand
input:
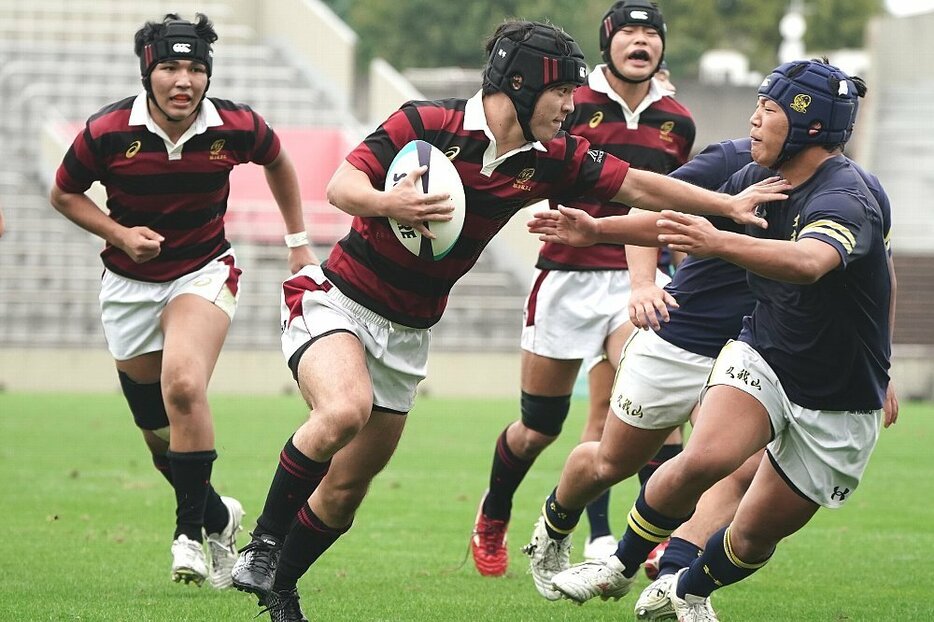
column 408, row 205
column 565, row 225
column 648, row 306
column 140, row 243
column 745, row 205
column 694, row 235
column 890, row 405
column 302, row 256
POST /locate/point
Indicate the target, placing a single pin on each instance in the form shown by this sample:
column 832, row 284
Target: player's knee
column 145, row 402
column 183, row 391
column 699, row 467
column 337, row 427
column 545, row 414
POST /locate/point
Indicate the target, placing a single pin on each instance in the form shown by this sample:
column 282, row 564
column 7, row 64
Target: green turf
column 89, row 523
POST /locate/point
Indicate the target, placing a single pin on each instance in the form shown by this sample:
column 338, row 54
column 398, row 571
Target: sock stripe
column 646, row 530
column 506, row 456
column 311, row 521
column 736, row 561
column 551, row 525
column 296, row 470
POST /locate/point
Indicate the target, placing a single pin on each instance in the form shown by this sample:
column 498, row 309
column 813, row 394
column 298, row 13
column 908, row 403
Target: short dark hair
column 152, row 31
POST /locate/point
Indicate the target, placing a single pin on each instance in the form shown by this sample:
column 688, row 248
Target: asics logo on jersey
column 133, row 149
column 452, row 152
column 801, row 102
column 840, row 494
column 596, row 119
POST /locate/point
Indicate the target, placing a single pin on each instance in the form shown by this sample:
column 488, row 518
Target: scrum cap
column 812, row 92
column 179, row 41
column 524, row 69
column 630, row 13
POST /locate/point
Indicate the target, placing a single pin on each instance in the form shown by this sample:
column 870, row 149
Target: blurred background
column 324, row 74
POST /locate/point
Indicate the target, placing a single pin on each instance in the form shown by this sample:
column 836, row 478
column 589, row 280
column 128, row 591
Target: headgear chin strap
column 630, row 13
column 179, row 41
column 524, row 69
column 812, row 93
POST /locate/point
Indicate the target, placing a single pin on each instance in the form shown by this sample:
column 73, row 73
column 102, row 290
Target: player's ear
column 815, row 128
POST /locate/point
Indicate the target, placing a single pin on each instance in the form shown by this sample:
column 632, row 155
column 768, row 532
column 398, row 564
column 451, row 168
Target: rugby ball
column 441, row 177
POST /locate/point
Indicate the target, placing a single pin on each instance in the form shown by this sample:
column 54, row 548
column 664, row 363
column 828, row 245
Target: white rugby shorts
column 657, row 383
column 569, row 314
column 821, row 453
column 131, row 310
column 396, row 355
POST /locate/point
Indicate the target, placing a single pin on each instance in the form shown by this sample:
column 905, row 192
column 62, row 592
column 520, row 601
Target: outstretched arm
column 656, row 192
column 574, row 227
column 803, row 261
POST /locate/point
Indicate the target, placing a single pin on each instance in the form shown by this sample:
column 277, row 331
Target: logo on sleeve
column 596, row 155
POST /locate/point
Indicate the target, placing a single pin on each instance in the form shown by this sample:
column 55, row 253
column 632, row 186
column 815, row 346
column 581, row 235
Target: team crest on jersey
column 596, row 119
column 133, row 149
column 664, row 132
column 523, row 178
column 801, row 102
column 216, row 147
column 452, row 152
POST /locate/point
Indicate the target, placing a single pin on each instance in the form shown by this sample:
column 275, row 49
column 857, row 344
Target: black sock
column 307, row 540
column 559, row 520
column 646, row 529
column 679, row 554
column 216, row 514
column 666, row 453
column 717, row 567
column 296, row 478
column 507, row 473
column 598, row 516
column 191, row 477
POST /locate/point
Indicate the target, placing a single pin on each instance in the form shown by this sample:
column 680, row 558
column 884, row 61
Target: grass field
column 89, row 523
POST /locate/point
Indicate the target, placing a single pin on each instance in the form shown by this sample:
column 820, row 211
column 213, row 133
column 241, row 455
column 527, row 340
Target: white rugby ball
column 441, row 177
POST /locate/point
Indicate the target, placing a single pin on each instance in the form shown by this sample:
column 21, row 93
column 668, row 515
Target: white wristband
column 294, row 240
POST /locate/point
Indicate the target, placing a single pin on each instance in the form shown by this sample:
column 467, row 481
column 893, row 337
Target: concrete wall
column 265, row 373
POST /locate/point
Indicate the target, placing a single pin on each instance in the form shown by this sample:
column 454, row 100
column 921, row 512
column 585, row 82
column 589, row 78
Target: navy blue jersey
column 712, row 294
column 827, row 342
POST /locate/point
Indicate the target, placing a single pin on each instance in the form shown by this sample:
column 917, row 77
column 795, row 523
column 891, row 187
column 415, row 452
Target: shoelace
column 491, row 536
column 280, row 604
column 263, row 563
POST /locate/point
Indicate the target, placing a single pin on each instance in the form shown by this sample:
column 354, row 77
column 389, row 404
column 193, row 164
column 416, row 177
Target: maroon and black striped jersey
column 660, row 142
column 370, row 266
column 183, row 199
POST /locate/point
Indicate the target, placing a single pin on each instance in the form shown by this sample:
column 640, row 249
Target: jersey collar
column 207, row 117
column 597, row 81
column 475, row 121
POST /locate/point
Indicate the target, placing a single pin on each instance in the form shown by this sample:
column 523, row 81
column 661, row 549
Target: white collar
column 598, row 82
column 475, row 121
column 207, row 117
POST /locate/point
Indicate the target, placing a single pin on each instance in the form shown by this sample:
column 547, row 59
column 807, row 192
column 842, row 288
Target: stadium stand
column 60, row 61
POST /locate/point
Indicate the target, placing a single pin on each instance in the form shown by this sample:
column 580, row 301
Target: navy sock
column 679, row 554
column 507, row 473
column 646, row 529
column 307, row 540
column 296, row 478
column 559, row 521
column 717, row 566
column 598, row 516
column 191, row 477
column 666, row 453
